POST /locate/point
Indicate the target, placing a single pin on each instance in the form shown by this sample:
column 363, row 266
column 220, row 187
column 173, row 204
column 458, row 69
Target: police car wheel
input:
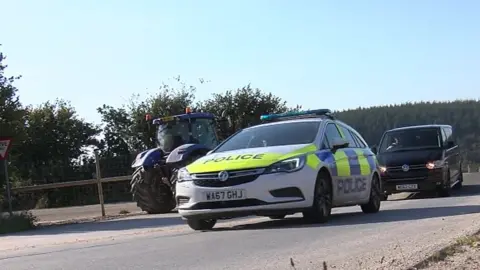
column 322, row 201
column 376, row 194
column 201, row 224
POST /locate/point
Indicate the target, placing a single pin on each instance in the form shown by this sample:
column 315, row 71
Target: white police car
column 305, row 162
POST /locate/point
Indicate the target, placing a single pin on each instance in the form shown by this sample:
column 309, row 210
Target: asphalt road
column 401, row 234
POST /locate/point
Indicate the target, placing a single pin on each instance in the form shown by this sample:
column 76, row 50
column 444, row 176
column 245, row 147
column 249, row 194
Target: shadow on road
column 465, row 191
column 356, row 218
column 109, row 225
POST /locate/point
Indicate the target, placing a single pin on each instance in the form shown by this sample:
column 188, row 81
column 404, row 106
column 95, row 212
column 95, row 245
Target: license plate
column 407, row 187
column 226, row 195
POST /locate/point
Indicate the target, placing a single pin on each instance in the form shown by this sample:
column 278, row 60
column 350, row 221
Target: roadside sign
column 5, row 143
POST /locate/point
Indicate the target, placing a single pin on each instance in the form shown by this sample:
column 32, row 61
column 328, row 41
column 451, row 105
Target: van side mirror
column 450, row 144
column 374, row 149
column 339, row 143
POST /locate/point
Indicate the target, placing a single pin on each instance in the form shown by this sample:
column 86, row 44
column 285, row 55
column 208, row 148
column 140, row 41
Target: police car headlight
column 183, row 175
column 288, row 165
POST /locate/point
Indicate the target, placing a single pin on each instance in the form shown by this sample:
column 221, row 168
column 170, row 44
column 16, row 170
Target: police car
column 305, row 162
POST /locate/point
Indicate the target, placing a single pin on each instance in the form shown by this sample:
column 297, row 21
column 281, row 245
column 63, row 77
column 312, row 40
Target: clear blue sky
column 335, row 54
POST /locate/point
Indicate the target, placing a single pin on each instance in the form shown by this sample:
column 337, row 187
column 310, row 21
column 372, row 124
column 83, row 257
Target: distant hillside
column 463, row 115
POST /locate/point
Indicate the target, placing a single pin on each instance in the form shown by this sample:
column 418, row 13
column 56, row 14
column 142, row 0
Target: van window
column 448, row 133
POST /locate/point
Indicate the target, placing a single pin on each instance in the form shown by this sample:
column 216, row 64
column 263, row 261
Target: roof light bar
column 319, row 112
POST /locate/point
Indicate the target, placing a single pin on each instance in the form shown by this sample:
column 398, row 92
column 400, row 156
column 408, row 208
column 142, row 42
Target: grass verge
column 17, row 222
column 457, row 247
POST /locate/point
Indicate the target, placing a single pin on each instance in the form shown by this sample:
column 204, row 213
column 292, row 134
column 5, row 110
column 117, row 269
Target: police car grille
column 235, row 178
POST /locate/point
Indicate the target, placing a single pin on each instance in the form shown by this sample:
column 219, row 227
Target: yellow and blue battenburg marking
column 349, row 162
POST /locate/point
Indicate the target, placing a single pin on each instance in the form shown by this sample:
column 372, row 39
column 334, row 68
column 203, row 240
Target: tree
column 244, row 106
column 55, row 139
column 126, row 129
column 11, row 118
column 11, row 110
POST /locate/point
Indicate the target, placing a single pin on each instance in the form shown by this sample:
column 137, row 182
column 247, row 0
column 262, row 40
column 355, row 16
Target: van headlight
column 435, row 164
column 288, row 165
column 183, row 175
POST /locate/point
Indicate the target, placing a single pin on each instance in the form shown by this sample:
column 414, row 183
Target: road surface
column 401, row 234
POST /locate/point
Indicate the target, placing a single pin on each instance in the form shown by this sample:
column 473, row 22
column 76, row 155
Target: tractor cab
column 188, row 128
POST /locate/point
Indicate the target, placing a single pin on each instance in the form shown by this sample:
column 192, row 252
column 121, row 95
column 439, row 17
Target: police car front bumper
column 253, row 193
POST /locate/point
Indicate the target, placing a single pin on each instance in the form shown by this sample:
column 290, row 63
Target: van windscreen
column 411, row 139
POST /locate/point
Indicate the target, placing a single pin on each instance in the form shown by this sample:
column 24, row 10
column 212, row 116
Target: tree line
column 52, row 143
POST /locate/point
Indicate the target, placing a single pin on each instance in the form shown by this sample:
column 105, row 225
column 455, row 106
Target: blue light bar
column 293, row 114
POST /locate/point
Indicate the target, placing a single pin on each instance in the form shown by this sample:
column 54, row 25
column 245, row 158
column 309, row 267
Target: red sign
column 5, row 143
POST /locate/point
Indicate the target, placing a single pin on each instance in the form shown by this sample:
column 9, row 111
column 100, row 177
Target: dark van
column 419, row 158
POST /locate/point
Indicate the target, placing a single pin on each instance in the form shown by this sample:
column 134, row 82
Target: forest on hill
column 462, row 115
column 51, row 140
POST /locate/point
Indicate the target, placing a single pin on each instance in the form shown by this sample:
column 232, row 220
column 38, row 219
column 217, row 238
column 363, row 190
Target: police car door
column 356, row 187
column 338, row 165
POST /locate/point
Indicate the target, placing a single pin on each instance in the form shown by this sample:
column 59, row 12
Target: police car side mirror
column 374, row 149
column 227, row 118
column 339, row 143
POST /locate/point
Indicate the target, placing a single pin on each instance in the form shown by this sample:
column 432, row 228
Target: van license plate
column 407, row 187
column 226, row 195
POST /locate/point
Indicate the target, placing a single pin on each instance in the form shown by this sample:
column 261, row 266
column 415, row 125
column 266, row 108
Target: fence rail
column 71, row 183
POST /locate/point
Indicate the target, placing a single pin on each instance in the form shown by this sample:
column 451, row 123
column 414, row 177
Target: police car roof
column 419, row 126
column 287, row 121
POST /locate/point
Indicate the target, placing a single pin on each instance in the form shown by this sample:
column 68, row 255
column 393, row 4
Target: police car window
column 272, row 135
column 348, row 136
column 359, row 141
column 331, row 132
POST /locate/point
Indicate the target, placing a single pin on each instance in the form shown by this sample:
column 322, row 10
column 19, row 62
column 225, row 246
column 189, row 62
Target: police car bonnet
column 251, row 153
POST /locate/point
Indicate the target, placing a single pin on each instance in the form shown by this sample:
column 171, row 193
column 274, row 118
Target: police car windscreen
column 410, row 139
column 272, row 135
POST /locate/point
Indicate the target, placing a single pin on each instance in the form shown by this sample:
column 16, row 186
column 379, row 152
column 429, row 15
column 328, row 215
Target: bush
column 17, row 222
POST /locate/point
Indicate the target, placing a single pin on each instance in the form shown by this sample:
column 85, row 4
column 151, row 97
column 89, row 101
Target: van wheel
column 321, row 209
column 444, row 190
column 373, row 205
column 459, row 184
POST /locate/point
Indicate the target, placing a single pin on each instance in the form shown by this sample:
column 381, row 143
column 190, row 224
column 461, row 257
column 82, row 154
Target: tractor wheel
column 151, row 194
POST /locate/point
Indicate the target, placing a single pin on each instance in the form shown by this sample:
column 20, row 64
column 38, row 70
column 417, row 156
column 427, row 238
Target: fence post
column 7, row 181
column 99, row 183
column 468, row 168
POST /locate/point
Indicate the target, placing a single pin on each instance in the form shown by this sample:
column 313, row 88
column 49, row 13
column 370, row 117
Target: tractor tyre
column 151, row 194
